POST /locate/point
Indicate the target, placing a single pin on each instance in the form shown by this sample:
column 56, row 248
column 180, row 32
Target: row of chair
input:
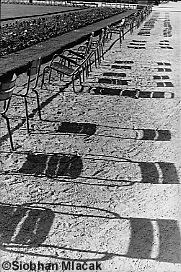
column 71, row 63
column 75, row 64
column 129, row 23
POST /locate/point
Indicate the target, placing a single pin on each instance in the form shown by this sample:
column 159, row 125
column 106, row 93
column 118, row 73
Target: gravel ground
column 99, row 178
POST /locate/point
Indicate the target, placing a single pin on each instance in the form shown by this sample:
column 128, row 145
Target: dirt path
column 99, row 178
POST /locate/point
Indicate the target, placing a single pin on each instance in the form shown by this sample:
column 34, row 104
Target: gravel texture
column 99, row 177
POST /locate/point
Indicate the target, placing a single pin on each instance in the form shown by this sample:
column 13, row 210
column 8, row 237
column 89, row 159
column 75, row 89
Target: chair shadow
column 70, row 167
column 147, row 94
column 135, row 93
column 145, row 244
column 150, row 173
column 79, row 128
column 54, row 165
column 104, row 91
column 68, row 209
column 124, row 62
column 110, row 74
column 113, row 81
column 90, row 129
column 152, row 134
column 24, row 225
column 156, row 95
column 125, row 67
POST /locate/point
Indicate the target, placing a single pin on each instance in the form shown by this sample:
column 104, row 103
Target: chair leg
column 120, row 38
column 90, row 66
column 83, row 72
column 98, row 56
column 38, row 103
column 95, row 59
column 87, row 66
column 50, row 75
column 26, row 110
column 80, row 78
column 102, row 51
column 73, row 78
column 43, row 76
column 123, row 34
column 87, row 69
column 73, row 83
column 9, row 131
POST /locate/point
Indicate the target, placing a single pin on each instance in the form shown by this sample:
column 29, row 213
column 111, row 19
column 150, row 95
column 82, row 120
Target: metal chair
column 33, row 76
column 81, row 52
column 64, row 65
column 6, row 90
column 95, row 43
column 97, row 46
column 118, row 29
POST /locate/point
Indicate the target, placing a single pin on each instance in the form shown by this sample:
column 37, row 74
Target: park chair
column 118, row 29
column 98, row 45
column 106, row 37
column 6, row 90
column 81, row 52
column 65, row 66
column 33, row 73
column 95, row 43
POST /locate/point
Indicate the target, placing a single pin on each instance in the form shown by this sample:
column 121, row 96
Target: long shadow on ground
column 26, row 227
column 68, row 167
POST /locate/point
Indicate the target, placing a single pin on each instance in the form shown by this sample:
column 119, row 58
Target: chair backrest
column 122, row 23
column 7, row 86
column 89, row 44
column 33, row 72
column 97, row 41
column 101, row 35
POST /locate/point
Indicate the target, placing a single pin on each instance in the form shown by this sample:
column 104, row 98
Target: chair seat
column 62, row 68
column 5, row 94
column 6, row 90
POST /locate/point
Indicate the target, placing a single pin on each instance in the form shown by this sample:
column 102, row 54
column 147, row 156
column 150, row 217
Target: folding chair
column 6, row 91
column 33, row 75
